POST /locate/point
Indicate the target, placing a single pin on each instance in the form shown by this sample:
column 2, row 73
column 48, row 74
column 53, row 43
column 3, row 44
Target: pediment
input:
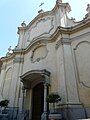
column 40, row 28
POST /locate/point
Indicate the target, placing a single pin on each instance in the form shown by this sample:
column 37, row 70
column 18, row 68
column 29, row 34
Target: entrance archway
column 37, row 101
column 37, row 81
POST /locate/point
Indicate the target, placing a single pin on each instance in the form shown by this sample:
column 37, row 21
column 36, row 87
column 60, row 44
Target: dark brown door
column 38, row 102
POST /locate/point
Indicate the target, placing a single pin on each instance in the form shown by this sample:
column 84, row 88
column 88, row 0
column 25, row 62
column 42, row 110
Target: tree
column 53, row 98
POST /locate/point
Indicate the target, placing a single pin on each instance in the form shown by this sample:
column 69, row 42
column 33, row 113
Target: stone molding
column 18, row 60
column 45, row 33
column 80, row 36
column 42, row 72
column 76, row 66
column 68, row 41
column 29, row 81
column 3, row 67
column 70, row 104
column 62, row 41
column 52, row 38
column 38, row 57
column 6, row 65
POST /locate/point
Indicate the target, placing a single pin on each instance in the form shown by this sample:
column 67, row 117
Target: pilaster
column 21, row 32
column 72, row 93
column 62, row 90
column 2, row 78
column 15, row 84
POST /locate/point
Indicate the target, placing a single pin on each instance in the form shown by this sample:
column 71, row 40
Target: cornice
column 39, row 16
column 8, row 58
column 47, row 13
column 62, row 41
column 20, row 29
column 82, row 25
column 68, row 30
column 3, row 67
column 52, row 12
column 74, row 29
column 42, row 72
column 18, row 60
column 12, row 56
column 44, row 33
column 59, row 31
column 39, row 40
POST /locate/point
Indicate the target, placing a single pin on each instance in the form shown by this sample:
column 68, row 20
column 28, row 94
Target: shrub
column 53, row 98
column 4, row 103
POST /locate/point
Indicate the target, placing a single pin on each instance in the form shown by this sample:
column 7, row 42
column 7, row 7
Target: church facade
column 52, row 55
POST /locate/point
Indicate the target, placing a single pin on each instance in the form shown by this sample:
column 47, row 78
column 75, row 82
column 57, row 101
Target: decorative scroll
column 39, row 53
column 43, row 26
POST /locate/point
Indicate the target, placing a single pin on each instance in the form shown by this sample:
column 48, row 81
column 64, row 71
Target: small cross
column 41, row 4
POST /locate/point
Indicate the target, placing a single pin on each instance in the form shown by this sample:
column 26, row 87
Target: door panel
column 38, row 102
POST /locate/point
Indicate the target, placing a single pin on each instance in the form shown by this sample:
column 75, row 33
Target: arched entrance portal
column 37, row 101
column 36, row 81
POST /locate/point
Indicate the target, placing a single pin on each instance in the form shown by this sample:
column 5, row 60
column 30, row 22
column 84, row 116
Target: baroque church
column 52, row 56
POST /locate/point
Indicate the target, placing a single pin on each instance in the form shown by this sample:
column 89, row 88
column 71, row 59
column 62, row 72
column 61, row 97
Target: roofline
column 60, row 30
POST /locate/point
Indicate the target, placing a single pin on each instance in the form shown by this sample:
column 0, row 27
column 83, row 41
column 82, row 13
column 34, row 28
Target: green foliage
column 53, row 98
column 4, row 103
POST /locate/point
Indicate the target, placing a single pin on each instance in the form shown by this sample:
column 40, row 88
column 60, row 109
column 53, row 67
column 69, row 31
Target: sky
column 14, row 12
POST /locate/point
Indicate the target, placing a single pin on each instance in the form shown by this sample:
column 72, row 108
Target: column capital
column 62, row 41
column 45, row 73
column 23, row 89
column 65, row 41
column 46, row 80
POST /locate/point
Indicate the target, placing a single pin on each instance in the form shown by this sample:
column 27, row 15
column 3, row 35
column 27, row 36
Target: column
column 45, row 111
column 45, row 102
column 23, row 92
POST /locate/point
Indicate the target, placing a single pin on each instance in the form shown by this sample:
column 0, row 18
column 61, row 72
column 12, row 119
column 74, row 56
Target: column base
column 55, row 116
column 44, row 116
column 72, row 111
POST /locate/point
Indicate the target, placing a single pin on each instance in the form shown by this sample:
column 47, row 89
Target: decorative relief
column 43, row 26
column 82, row 59
column 39, row 53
